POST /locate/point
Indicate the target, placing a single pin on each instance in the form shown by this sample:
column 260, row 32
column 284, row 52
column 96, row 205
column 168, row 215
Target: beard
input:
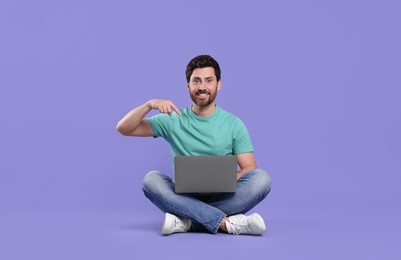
column 203, row 102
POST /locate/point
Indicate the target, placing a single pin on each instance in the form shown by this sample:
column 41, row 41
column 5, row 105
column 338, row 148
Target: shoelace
column 238, row 229
column 179, row 224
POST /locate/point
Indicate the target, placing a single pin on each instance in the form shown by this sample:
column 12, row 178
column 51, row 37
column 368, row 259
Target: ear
column 219, row 85
column 188, row 86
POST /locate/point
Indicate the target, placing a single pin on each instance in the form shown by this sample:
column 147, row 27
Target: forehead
column 203, row 72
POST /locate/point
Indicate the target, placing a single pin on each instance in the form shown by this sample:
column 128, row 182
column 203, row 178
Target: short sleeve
column 242, row 141
column 159, row 124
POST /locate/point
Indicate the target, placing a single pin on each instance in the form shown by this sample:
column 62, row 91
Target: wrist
column 148, row 104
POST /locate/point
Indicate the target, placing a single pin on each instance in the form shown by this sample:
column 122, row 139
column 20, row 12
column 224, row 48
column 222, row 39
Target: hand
column 164, row 106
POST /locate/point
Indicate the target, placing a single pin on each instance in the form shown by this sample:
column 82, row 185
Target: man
column 201, row 129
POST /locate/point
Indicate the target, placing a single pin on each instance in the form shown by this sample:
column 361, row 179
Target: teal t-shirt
column 221, row 133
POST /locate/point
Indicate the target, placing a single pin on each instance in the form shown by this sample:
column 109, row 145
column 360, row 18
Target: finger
column 175, row 109
column 168, row 109
column 165, row 109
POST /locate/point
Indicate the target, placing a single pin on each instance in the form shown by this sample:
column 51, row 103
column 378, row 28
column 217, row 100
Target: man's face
column 203, row 86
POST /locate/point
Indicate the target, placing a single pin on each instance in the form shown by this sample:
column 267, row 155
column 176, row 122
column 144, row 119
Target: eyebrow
column 209, row 77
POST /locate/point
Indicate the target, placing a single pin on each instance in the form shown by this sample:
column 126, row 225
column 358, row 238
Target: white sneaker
column 173, row 224
column 246, row 225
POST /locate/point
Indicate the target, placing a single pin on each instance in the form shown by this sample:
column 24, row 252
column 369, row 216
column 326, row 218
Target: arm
column 134, row 124
column 246, row 162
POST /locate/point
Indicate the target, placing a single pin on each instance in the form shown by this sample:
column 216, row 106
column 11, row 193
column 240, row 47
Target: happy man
column 203, row 128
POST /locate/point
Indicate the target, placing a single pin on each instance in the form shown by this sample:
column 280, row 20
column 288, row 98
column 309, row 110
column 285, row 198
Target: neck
column 204, row 111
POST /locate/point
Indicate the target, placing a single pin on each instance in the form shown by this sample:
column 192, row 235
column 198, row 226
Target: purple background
column 316, row 82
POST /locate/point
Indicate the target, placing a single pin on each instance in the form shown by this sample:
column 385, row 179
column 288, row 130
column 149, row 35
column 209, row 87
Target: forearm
column 245, row 170
column 132, row 120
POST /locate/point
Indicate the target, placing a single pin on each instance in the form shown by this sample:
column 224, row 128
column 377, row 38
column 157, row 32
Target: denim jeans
column 206, row 211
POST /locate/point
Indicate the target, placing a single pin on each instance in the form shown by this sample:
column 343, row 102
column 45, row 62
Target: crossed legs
column 208, row 212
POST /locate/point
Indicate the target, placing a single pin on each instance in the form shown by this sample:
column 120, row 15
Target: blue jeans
column 206, row 211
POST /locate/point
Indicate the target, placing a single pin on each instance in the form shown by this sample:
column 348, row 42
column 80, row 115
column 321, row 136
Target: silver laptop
column 205, row 174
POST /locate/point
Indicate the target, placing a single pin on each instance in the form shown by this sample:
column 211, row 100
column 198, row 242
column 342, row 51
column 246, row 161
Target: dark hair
column 202, row 61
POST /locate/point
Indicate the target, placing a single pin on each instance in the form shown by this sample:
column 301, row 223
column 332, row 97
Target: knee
column 263, row 180
column 150, row 179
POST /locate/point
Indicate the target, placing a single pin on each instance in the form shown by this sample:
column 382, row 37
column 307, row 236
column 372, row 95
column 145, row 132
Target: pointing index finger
column 176, row 109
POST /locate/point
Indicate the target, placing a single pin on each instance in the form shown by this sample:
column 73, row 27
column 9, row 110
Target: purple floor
column 313, row 232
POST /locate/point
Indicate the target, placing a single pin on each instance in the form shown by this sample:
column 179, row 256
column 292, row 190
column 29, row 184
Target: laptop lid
column 204, row 174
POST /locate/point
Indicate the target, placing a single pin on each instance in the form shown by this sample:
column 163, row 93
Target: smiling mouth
column 202, row 95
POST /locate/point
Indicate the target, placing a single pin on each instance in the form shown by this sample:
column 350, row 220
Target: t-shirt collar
column 208, row 118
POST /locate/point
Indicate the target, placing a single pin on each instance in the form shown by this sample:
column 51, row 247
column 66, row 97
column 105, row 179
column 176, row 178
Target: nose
column 202, row 86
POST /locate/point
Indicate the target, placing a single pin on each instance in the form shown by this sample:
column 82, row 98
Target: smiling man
column 201, row 129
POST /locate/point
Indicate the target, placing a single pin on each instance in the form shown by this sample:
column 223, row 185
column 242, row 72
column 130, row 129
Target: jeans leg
column 252, row 188
column 159, row 188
